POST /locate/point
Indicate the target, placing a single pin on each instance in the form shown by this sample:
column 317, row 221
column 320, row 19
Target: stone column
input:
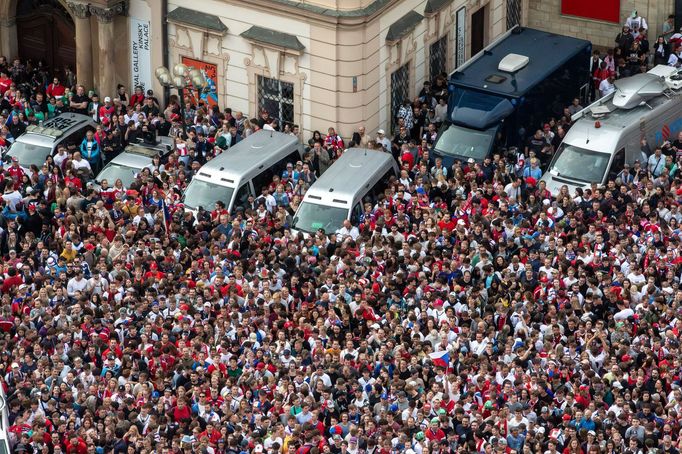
column 106, row 85
column 81, row 19
column 9, row 46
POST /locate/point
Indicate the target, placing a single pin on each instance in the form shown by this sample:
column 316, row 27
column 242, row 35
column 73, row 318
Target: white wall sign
column 140, row 53
column 460, row 36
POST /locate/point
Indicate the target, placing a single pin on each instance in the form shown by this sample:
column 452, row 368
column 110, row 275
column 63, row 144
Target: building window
column 277, row 98
column 438, row 57
column 513, row 13
column 400, row 91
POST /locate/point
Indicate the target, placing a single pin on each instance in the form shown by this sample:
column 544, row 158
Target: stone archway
column 46, row 31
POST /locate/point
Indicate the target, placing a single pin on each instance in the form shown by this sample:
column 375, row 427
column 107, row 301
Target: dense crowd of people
column 470, row 310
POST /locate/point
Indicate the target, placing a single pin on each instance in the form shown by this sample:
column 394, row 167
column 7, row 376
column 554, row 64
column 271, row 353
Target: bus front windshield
column 464, row 143
column 311, row 217
column 204, row 194
column 579, row 164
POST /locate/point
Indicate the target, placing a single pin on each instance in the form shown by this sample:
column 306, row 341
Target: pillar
column 9, row 44
column 81, row 20
column 106, row 85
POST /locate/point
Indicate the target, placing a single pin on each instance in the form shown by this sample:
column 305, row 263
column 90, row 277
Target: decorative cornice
column 80, row 10
column 106, row 15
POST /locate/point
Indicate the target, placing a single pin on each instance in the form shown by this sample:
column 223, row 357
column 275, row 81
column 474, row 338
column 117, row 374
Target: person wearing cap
column 434, row 433
column 383, row 141
column 107, row 109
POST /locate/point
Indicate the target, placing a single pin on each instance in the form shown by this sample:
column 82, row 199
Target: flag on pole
column 440, row 359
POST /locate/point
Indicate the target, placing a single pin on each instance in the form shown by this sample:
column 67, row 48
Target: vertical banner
column 604, row 10
column 460, row 37
column 210, row 72
column 140, row 53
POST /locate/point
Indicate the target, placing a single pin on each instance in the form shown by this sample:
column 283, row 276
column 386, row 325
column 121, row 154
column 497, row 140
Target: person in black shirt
column 162, row 126
column 149, row 108
column 133, row 133
column 39, row 104
column 17, row 128
column 79, row 101
column 538, row 143
column 148, row 134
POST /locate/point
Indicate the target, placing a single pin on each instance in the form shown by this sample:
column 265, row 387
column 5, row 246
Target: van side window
column 263, row 179
column 617, row 164
column 281, row 165
column 76, row 137
column 356, row 213
column 380, row 185
column 243, row 194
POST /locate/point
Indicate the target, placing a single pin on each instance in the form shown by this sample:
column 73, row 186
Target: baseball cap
column 381, row 131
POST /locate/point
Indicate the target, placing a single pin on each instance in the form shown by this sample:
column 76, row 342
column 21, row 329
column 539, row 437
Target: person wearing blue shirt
column 515, row 439
column 533, row 171
column 90, row 150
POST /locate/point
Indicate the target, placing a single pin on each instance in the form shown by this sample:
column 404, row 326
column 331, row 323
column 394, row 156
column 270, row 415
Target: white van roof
column 354, row 171
column 248, row 156
column 599, row 126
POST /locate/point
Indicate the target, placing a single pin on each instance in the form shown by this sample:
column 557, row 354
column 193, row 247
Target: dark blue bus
column 502, row 94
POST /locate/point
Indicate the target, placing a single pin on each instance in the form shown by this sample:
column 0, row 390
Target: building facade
column 313, row 63
column 330, row 63
column 600, row 27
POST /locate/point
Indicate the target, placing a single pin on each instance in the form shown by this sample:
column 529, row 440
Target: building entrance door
column 46, row 32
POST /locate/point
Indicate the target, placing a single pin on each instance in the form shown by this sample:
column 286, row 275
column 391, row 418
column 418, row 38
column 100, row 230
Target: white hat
column 107, row 99
column 381, row 131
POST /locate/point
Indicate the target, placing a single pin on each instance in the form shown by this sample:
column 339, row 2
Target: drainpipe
column 164, row 44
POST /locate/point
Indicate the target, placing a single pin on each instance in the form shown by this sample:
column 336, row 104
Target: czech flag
column 441, row 359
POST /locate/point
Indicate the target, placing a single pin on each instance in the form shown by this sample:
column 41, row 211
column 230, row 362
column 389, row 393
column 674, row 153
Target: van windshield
column 465, row 143
column 29, row 154
column 113, row 172
column 205, row 194
column 311, row 217
column 579, row 164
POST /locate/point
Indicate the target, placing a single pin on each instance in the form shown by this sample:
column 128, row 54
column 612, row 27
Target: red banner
column 605, row 10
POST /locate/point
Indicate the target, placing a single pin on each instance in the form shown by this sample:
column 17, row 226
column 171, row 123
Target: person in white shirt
column 606, row 86
column 61, row 156
column 347, row 230
column 79, row 163
column 97, row 284
column 636, row 277
column 383, row 140
column 76, row 284
column 636, row 22
column 11, row 197
column 513, row 190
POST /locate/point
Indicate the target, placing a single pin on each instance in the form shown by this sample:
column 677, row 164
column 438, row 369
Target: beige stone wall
column 546, row 15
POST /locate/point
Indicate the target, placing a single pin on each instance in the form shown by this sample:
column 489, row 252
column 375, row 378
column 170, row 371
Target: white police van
column 40, row 141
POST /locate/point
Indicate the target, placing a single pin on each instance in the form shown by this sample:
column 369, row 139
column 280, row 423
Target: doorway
column 45, row 31
column 478, row 27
